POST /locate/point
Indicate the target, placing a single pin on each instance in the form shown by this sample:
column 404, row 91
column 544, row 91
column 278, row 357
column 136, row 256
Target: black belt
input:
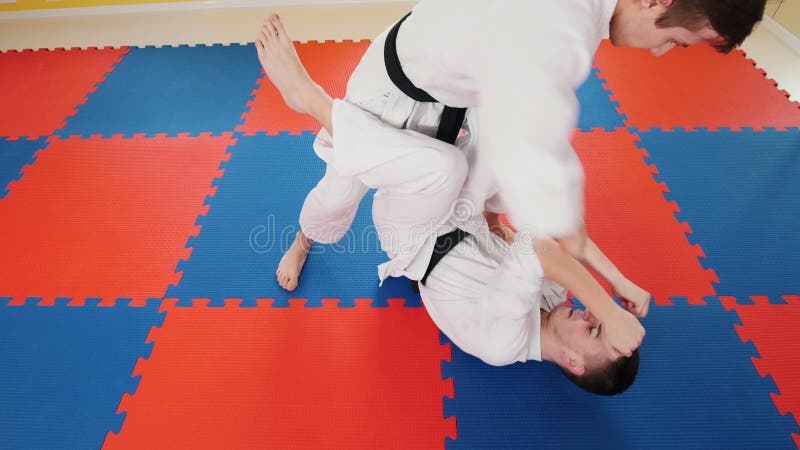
column 452, row 118
column 444, row 244
column 449, row 126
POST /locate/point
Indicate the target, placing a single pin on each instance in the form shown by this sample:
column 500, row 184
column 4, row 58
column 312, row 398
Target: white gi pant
column 417, row 180
column 487, row 297
column 383, row 139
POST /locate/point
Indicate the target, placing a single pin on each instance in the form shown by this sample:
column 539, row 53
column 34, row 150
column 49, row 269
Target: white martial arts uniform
column 519, row 62
column 487, row 297
column 485, row 294
column 417, row 178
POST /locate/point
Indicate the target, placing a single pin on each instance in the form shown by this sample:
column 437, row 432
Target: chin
column 616, row 40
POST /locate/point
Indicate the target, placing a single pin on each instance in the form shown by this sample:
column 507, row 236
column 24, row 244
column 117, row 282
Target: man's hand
column 633, row 298
column 623, row 332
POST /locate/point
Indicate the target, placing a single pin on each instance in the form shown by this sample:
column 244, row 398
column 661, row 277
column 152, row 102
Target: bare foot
column 291, row 264
column 279, row 59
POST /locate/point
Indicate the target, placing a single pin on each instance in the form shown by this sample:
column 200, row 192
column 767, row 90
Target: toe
column 282, row 34
column 266, row 34
column 269, row 28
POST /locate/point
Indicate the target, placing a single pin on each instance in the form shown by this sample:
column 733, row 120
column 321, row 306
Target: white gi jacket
column 485, row 294
column 516, row 64
column 487, row 297
column 521, row 61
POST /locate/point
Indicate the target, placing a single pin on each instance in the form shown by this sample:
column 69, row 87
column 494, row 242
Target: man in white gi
column 519, row 62
column 492, row 299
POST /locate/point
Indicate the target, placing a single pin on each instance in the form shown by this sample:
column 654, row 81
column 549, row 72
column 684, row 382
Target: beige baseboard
column 211, row 25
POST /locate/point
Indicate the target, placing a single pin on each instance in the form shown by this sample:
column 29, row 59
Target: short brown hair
column 612, row 379
column 732, row 19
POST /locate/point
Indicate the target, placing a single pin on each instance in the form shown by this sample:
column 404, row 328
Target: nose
column 589, row 317
column 662, row 50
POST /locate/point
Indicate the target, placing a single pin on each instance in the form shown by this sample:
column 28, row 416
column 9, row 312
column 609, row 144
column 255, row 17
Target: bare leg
column 279, row 59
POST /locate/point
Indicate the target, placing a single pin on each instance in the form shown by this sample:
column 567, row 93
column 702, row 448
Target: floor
column 147, row 193
column 213, row 25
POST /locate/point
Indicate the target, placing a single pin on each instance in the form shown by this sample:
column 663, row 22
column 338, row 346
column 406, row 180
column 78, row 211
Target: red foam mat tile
column 41, row 89
column 631, row 221
column 105, row 217
column 265, row 377
column 328, row 63
column 693, row 87
column 773, row 330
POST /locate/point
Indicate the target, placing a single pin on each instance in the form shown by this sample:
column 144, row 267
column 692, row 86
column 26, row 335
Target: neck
column 546, row 338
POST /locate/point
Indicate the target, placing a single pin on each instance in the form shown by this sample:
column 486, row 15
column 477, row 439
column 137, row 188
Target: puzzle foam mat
column 147, row 195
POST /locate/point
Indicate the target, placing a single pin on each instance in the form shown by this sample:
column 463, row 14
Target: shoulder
column 548, row 12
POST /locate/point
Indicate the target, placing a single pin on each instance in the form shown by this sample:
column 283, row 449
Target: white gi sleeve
column 528, row 111
column 496, row 204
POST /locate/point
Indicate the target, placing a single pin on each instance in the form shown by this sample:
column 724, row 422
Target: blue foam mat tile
column 696, row 388
column 170, row 90
column 64, row 302
column 739, row 193
column 679, row 300
column 777, row 301
column 32, row 300
column 597, row 108
column 751, row 300
column 252, row 220
column 14, row 155
column 65, row 370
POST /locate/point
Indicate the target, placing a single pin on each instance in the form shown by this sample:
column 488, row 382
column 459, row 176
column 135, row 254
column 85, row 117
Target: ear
column 655, row 3
column 573, row 363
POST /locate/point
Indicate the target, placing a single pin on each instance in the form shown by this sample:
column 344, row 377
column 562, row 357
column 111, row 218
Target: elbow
column 495, row 360
column 504, row 355
column 551, row 254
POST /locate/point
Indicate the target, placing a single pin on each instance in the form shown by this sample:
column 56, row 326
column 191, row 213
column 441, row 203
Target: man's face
column 581, row 333
column 635, row 26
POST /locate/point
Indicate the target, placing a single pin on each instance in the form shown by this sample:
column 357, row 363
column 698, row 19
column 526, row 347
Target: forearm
column 564, row 269
column 583, row 248
column 599, row 262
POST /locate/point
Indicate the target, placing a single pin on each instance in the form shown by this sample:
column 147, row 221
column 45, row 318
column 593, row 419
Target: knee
column 451, row 168
column 460, row 166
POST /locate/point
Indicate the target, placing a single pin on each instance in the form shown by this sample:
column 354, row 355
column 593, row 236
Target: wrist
column 618, row 281
column 609, row 313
